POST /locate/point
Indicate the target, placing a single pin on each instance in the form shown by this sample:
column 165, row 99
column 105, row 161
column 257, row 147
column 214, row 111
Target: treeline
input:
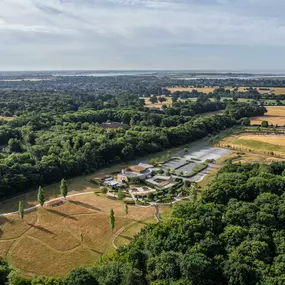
column 17, row 103
column 221, row 92
column 234, row 235
column 88, row 85
column 47, row 148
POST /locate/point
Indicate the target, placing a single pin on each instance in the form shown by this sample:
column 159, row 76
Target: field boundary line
column 38, row 206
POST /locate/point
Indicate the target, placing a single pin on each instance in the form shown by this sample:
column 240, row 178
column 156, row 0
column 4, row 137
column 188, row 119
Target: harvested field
column 158, row 105
column 190, row 89
column 271, row 145
column 127, row 235
column 272, row 139
column 275, row 90
column 278, row 91
column 47, row 234
column 275, row 115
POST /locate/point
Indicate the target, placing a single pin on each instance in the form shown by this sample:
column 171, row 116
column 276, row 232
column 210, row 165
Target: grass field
column 275, row 115
column 270, row 145
column 158, row 105
column 275, row 90
column 190, row 89
column 48, row 234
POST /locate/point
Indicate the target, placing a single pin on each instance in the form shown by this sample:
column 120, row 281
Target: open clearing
column 158, row 105
column 272, row 145
column 275, row 115
column 7, row 118
column 190, row 89
column 275, row 90
column 50, row 234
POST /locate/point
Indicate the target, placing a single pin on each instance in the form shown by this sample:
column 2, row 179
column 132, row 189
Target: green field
column 258, row 145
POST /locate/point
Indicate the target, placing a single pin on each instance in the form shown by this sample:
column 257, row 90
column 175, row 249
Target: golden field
column 275, row 90
column 275, row 115
column 268, row 145
column 158, row 105
column 190, row 89
column 48, row 234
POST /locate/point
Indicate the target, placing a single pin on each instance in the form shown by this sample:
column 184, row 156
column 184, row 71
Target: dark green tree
column 41, row 196
column 63, row 188
column 21, row 210
column 264, row 124
column 126, row 209
column 80, row 276
column 112, row 219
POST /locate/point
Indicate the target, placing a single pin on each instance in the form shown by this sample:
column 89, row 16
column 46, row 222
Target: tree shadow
column 143, row 223
column 85, row 205
column 41, row 229
column 96, row 251
column 3, row 220
column 61, row 214
column 126, row 237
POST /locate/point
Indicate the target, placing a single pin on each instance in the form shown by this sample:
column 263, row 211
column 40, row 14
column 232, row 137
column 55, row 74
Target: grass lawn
column 48, row 234
column 129, row 232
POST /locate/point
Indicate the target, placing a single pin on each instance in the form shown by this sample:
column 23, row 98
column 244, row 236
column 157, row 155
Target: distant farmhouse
column 114, row 125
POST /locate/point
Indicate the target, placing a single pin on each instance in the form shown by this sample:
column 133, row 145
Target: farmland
column 158, row 105
column 190, row 89
column 55, row 233
column 272, row 145
column 275, row 90
column 275, row 115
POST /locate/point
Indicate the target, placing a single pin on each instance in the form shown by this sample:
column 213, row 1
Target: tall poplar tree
column 41, row 196
column 112, row 219
column 21, row 210
column 63, row 188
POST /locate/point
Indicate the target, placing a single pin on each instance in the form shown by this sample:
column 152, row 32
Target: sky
column 142, row 34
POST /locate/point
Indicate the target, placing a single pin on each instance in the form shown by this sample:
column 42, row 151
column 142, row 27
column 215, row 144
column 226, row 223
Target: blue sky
column 142, row 34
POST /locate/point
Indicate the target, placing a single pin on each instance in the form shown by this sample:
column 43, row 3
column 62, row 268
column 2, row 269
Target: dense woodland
column 235, row 234
column 58, row 136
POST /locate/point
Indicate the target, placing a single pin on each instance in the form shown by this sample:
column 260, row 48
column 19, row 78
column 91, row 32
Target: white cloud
column 112, row 29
